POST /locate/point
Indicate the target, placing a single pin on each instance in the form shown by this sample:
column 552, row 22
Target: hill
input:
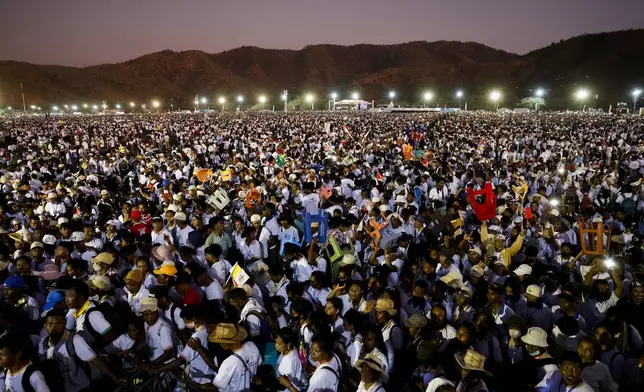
column 607, row 64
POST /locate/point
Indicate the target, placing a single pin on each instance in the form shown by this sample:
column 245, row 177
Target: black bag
column 51, row 373
column 116, row 315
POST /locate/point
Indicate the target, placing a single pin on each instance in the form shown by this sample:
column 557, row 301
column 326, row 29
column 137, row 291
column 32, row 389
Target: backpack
column 116, row 315
column 344, row 384
column 51, row 367
column 265, row 335
column 50, row 372
column 628, row 207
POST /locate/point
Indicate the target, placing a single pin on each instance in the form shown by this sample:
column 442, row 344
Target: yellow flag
column 238, row 275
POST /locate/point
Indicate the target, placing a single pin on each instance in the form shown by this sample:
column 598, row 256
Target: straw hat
column 416, row 320
column 103, row 258
column 386, row 305
column 134, row 276
column 228, row 334
column 373, row 362
column 472, row 360
column 100, row 282
column 149, row 304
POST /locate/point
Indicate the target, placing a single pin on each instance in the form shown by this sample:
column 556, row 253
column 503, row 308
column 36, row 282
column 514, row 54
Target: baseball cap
column 180, row 216
column 135, row 214
column 78, row 236
column 36, row 244
column 534, row 291
column 149, row 304
column 54, row 297
column 166, row 269
column 14, row 282
column 523, row 269
column 49, row 239
column 255, row 218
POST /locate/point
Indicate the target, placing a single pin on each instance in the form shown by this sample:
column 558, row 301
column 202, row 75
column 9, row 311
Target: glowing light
column 104, row 106
column 95, row 107
column 539, row 93
column 561, row 170
column 55, row 108
column 610, row 263
column 74, row 107
column 9, row 108
column 33, row 107
column 284, row 97
column 240, row 98
column 392, row 94
column 262, row 99
column 554, row 202
column 428, row 96
column 636, row 93
column 222, row 100
column 118, row 106
column 495, row 95
column 459, row 94
column 66, row 106
column 85, row 105
column 355, row 96
column 582, row 94
column 155, row 104
column 334, row 95
column 204, row 100
column 310, row 98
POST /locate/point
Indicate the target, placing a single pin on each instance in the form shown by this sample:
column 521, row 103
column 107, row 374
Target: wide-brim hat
column 228, row 334
column 373, row 362
column 472, row 360
column 386, row 305
column 535, row 337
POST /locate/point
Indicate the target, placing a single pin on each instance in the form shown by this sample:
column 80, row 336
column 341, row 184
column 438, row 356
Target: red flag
column 378, row 176
column 487, row 209
column 528, row 213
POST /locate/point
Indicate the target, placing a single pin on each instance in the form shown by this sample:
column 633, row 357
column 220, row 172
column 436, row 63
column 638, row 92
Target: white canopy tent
column 352, row 104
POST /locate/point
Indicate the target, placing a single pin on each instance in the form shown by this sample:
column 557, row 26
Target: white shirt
column 213, row 291
column 182, row 236
column 311, row 203
column 290, row 366
column 198, row 370
column 135, row 300
column 220, row 270
column 302, row 270
column 323, row 379
column 159, row 238
column 375, row 387
column 13, row 382
column 158, row 337
column 74, row 379
column 97, row 321
column 236, row 374
column 254, row 250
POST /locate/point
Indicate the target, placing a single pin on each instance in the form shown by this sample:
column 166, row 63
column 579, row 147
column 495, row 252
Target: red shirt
column 191, row 297
column 140, row 229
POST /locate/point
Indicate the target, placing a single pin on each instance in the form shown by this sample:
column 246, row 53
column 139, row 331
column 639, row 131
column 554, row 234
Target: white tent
column 352, row 103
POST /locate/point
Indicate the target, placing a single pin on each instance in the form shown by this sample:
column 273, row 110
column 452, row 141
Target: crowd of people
column 322, row 252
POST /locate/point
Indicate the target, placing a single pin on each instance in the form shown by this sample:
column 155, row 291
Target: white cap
column 523, row 269
column 375, row 199
column 37, row 244
column 180, row 216
column 48, row 239
column 62, row 220
column 255, row 218
column 173, row 208
column 534, row 291
column 78, row 236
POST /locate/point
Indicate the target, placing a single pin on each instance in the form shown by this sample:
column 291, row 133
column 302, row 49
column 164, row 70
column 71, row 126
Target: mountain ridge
column 606, row 63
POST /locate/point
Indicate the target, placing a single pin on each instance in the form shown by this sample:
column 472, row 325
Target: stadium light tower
column 261, row 99
column 334, row 95
column 118, row 105
column 428, row 96
column 636, row 96
column 240, row 101
column 539, row 93
column 74, row 107
column 310, row 98
column 392, row 95
column 55, row 108
column 355, row 96
column 222, row 102
column 459, row 95
column 581, row 96
column 495, row 96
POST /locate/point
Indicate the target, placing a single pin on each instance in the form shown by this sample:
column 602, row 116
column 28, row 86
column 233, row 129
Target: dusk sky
column 89, row 32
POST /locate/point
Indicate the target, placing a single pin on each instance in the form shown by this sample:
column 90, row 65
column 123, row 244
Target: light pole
column 132, row 106
column 285, row 99
column 459, row 95
column 427, row 97
column 392, row 95
column 539, row 93
column 495, row 96
column 334, row 95
column 240, row 100
column 156, row 104
column 222, row 102
column 310, row 98
column 581, row 95
column 262, row 100
column 636, row 96
column 203, row 101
